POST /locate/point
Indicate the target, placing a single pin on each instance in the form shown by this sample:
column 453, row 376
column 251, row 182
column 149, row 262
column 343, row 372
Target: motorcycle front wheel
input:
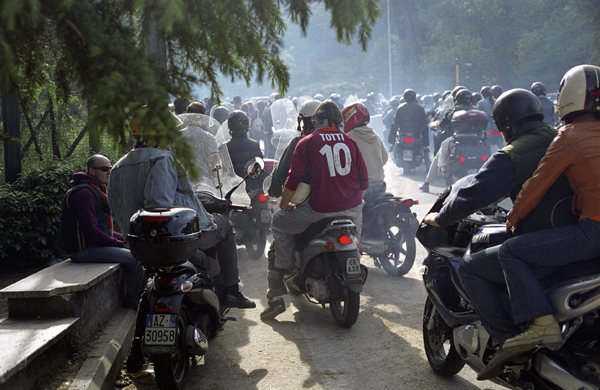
column 438, row 341
column 170, row 370
column 255, row 245
column 401, row 248
column 345, row 312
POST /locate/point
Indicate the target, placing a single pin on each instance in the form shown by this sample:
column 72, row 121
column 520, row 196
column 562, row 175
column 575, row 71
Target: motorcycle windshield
column 226, row 174
column 284, row 114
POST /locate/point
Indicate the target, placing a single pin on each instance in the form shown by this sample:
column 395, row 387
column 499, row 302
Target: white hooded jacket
column 373, row 152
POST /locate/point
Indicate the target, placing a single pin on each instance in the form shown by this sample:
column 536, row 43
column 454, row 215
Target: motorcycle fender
column 350, row 261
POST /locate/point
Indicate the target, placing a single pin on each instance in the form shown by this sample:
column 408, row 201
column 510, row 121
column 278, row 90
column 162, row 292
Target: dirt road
column 304, row 348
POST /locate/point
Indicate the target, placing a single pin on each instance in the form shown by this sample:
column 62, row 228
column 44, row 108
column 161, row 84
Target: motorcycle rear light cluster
column 410, row 202
column 166, row 280
column 494, row 132
column 149, row 218
column 484, row 158
column 263, row 198
column 162, row 309
column 345, row 240
column 409, row 140
column 462, row 159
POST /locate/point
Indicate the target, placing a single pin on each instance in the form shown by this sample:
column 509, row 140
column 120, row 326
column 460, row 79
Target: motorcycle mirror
column 255, row 168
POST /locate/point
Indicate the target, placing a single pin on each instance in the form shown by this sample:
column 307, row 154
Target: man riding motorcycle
column 338, row 181
column 519, row 117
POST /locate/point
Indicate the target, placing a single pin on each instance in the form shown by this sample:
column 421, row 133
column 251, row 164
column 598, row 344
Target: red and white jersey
column 338, row 173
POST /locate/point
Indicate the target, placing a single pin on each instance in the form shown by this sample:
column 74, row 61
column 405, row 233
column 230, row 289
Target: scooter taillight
column 484, row 158
column 162, row 309
column 409, row 140
column 344, row 239
column 149, row 218
column 166, row 280
column 494, row 133
column 409, row 202
column 262, row 198
column 462, row 159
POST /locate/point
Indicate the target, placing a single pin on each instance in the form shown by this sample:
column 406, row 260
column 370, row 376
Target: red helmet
column 354, row 115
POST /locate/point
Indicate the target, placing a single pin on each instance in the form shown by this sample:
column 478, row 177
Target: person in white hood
column 356, row 117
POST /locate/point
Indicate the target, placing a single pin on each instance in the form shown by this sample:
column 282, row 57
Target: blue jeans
column 551, row 248
column 483, row 280
column 133, row 271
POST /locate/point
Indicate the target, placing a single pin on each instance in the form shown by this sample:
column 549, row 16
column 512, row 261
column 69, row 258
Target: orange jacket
column 576, row 151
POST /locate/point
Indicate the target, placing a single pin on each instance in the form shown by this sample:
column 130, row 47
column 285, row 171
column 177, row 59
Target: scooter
column 408, row 152
column 328, row 270
column 388, row 233
column 181, row 301
column 453, row 335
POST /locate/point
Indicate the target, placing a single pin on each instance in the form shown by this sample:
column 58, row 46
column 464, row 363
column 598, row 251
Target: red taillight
column 344, row 240
column 149, row 218
column 494, row 132
column 408, row 203
column 409, row 140
column 484, row 158
column 262, row 198
column 162, row 309
column 166, row 280
column 462, row 159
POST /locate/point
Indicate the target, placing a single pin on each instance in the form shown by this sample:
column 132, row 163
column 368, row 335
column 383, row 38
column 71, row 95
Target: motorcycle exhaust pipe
column 196, row 343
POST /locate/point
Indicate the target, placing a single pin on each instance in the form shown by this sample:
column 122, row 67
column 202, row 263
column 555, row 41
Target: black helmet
column 220, row 114
column 514, row 106
column 238, row 121
column 538, row 88
column 579, row 92
column 464, row 97
column 496, row 91
column 409, row 96
column 477, row 97
column 328, row 110
column 486, row 91
column 456, row 90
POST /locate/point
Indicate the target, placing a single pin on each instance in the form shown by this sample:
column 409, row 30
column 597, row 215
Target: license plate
column 353, row 266
column 161, row 329
column 407, row 155
column 265, row 216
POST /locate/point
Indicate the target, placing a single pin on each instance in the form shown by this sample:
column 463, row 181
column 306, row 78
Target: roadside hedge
column 30, row 214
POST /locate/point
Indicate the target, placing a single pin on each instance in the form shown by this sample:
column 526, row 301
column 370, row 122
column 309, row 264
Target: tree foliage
column 124, row 54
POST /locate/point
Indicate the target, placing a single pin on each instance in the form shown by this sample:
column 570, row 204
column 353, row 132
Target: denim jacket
column 150, row 177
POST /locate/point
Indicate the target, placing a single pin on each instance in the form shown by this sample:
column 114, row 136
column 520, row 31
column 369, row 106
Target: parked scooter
column 328, row 269
column 183, row 308
column 388, row 233
column 408, row 152
column 467, row 149
column 453, row 334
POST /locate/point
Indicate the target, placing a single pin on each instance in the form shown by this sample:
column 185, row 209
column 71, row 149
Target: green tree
column 102, row 46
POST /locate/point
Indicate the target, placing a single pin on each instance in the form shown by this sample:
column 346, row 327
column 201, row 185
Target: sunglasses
column 103, row 169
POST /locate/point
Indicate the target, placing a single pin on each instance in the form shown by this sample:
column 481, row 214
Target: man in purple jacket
column 87, row 229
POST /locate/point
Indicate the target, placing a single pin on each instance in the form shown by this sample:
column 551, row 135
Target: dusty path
column 305, row 349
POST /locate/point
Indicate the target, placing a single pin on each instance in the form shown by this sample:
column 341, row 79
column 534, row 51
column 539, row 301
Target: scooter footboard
column 350, row 264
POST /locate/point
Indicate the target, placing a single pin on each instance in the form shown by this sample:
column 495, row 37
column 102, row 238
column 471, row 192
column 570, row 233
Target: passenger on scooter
column 339, row 179
column 518, row 115
column 356, row 117
column 576, row 152
column 87, row 231
column 411, row 117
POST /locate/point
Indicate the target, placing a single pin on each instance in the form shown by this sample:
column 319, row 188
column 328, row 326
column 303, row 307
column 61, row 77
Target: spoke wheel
column 401, row 250
column 170, row 370
column 439, row 346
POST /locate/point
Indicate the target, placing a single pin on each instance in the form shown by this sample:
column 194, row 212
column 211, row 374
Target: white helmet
column 308, row 108
column 579, row 92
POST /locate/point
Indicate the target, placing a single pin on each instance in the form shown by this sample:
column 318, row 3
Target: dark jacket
column 85, row 217
column 410, row 117
column 280, row 173
column 242, row 150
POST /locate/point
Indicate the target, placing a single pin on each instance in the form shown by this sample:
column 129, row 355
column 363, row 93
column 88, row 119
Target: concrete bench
column 53, row 311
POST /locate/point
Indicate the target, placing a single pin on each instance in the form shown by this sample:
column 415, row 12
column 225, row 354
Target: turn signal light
column 330, row 246
column 344, row 240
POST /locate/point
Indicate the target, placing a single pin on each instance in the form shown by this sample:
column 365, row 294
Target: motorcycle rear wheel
column 170, row 370
column 345, row 312
column 402, row 250
column 255, row 245
column 439, row 344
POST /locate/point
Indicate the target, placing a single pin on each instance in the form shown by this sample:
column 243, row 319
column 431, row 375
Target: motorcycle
column 453, row 335
column 327, row 268
column 184, row 314
column 467, row 148
column 388, row 233
column 408, row 152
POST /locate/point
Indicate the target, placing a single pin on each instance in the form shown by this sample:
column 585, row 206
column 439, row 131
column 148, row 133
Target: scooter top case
column 164, row 236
